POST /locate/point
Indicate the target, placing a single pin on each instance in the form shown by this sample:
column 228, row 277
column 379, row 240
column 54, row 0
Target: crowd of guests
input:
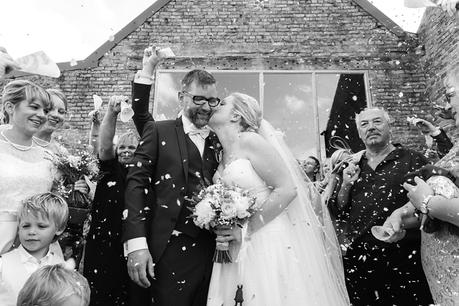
column 385, row 185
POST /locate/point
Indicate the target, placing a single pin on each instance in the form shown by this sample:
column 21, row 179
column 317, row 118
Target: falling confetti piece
column 400, row 94
column 73, row 62
column 125, row 214
column 111, row 184
column 111, row 37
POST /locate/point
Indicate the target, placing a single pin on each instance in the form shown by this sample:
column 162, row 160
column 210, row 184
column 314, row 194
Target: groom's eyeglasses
column 200, row 100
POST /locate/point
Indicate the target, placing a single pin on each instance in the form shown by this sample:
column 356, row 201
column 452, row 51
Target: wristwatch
column 424, row 208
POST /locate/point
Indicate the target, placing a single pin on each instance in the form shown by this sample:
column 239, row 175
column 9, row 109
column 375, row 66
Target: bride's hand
column 228, row 234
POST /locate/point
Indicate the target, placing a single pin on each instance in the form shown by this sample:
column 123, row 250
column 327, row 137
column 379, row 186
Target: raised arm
column 108, row 128
column 94, row 132
column 350, row 175
column 269, row 166
column 141, row 88
column 7, row 64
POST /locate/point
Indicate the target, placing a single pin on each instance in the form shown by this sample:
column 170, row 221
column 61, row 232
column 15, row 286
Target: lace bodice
column 22, row 174
column 240, row 173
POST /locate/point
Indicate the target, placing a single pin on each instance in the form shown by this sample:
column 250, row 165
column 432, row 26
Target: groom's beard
column 199, row 117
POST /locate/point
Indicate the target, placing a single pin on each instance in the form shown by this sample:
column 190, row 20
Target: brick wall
column 439, row 36
column 257, row 34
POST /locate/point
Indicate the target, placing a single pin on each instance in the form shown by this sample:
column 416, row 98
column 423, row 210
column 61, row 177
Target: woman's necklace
column 41, row 142
column 15, row 145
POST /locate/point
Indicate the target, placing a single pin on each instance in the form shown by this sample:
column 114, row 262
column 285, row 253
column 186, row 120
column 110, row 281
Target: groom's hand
column 138, row 263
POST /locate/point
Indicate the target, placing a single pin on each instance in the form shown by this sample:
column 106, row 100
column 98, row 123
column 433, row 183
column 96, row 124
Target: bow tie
column 203, row 132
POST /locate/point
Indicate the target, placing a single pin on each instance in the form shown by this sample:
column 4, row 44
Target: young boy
column 42, row 218
column 55, row 285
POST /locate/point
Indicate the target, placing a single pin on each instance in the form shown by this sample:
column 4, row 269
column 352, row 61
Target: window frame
column 320, row 152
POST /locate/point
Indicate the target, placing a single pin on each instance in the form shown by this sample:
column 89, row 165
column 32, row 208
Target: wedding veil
column 309, row 216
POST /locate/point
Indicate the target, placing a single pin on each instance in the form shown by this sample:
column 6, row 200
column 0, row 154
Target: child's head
column 55, row 285
column 42, row 218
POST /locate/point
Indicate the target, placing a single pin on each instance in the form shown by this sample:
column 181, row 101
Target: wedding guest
column 442, row 140
column 42, row 218
column 25, row 171
column 377, row 273
column 311, row 167
column 7, row 64
column 55, row 285
column 440, row 234
column 337, row 162
column 104, row 263
column 55, row 118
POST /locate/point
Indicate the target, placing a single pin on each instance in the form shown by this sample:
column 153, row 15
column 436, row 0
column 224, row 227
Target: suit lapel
column 182, row 146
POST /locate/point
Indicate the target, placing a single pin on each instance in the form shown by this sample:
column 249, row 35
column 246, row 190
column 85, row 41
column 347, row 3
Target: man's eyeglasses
column 200, row 100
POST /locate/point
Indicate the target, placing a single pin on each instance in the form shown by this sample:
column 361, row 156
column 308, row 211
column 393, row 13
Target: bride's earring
column 235, row 117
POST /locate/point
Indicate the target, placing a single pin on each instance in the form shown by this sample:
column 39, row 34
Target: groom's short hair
column 202, row 77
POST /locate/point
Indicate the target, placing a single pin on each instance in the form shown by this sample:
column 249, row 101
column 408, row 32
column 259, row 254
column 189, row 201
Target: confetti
column 111, row 184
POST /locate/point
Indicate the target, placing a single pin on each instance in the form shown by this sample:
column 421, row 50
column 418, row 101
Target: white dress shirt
column 16, row 267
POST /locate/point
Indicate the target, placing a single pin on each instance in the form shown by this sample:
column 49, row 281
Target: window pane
column 288, row 106
column 340, row 97
column 166, row 102
column 245, row 82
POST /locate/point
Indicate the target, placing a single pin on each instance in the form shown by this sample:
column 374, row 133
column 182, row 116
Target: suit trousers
column 182, row 274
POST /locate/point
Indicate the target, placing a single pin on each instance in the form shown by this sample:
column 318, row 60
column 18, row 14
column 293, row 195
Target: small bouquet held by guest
column 219, row 206
column 72, row 169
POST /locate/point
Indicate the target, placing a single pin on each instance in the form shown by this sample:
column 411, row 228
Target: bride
column 288, row 253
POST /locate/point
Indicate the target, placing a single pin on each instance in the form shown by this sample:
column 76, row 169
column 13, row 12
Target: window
column 310, row 108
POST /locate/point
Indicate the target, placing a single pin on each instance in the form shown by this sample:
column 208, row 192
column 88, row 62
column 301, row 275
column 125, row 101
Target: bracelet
column 424, row 208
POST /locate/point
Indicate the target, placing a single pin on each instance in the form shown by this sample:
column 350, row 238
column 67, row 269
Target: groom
column 165, row 249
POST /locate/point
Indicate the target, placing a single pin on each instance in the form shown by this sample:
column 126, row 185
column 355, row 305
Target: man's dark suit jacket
column 157, row 182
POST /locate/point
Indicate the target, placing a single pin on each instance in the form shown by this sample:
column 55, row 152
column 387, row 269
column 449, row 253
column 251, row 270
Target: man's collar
column 394, row 154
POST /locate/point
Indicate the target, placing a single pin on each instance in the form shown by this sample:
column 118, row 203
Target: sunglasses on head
column 200, row 100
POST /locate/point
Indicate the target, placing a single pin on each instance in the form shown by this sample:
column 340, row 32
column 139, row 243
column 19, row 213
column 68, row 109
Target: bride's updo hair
column 20, row 90
column 249, row 110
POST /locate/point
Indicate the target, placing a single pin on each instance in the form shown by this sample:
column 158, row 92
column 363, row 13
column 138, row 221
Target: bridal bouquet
column 222, row 206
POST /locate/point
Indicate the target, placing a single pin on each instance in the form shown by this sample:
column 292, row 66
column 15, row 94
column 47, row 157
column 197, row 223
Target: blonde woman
column 25, row 170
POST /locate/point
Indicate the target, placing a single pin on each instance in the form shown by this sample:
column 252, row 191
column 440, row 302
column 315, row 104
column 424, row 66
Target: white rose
column 242, row 205
column 203, row 213
column 228, row 211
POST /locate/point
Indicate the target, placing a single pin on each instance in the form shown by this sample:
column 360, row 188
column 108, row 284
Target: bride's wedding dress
column 273, row 265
